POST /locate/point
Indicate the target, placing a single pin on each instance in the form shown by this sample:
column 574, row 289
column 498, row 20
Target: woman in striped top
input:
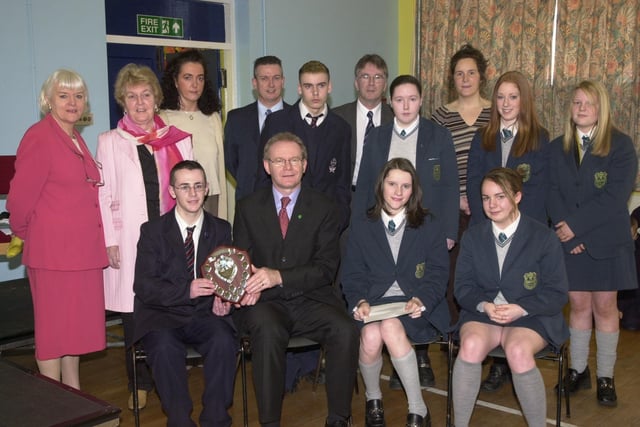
column 467, row 113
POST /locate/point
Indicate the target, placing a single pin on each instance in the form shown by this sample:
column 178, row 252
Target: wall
column 46, row 35
column 336, row 32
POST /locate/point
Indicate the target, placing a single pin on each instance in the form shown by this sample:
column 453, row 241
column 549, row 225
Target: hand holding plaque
column 228, row 268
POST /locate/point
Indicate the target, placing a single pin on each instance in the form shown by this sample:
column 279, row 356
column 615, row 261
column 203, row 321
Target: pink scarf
column 163, row 140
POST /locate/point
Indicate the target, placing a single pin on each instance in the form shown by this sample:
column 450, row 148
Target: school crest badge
column 333, row 164
column 436, row 172
column 420, row 270
column 524, row 169
column 530, row 280
column 600, row 179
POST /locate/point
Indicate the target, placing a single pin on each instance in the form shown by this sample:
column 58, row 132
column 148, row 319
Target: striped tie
column 189, row 249
column 370, row 124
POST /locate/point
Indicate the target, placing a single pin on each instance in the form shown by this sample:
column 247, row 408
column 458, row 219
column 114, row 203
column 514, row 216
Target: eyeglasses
column 186, row 188
column 293, row 162
column 96, row 182
column 377, row 78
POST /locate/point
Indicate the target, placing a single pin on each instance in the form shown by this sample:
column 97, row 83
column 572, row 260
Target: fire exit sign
column 149, row 25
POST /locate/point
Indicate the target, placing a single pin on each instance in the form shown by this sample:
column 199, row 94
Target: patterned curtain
column 594, row 39
column 600, row 40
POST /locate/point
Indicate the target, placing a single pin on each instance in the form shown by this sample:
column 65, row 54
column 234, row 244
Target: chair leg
column 449, row 379
column 560, row 387
column 243, row 369
column 565, row 353
column 318, row 367
column 136, row 409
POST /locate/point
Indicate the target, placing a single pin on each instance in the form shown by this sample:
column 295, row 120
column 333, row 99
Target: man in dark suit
column 291, row 233
column 175, row 307
column 369, row 110
column 325, row 135
column 242, row 130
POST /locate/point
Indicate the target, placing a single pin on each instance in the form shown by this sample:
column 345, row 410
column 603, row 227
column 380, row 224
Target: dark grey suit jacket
column 241, row 144
column 309, row 255
column 349, row 112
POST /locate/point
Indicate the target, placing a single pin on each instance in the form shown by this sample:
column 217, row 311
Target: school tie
column 392, row 226
column 507, row 134
column 586, row 143
column 502, row 237
column 283, row 217
column 189, row 249
column 266, row 114
column 314, row 119
column 370, row 124
column 403, row 133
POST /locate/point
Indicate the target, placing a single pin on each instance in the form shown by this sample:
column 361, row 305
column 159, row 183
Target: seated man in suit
column 175, row 307
column 291, row 233
column 242, row 130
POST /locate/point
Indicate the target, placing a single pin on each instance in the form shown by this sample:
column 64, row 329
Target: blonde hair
column 601, row 136
column 134, row 75
column 63, row 79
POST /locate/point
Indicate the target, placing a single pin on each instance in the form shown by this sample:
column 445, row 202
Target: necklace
column 189, row 114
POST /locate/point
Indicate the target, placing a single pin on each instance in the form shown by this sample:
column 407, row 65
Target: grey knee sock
column 579, row 347
column 407, row 369
column 466, row 384
column 531, row 394
column 606, row 353
column 371, row 378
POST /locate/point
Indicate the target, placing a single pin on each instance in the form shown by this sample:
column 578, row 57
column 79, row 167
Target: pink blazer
column 123, row 205
column 53, row 207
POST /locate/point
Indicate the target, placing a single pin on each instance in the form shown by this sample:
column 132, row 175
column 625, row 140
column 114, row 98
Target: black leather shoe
column 338, row 423
column 414, row 420
column 374, row 414
column 425, row 373
column 394, row 381
column 499, row 374
column 575, row 381
column 607, row 392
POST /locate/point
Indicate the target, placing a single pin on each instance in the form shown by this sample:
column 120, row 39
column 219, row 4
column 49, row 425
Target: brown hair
column 414, row 211
column 506, row 178
column 529, row 127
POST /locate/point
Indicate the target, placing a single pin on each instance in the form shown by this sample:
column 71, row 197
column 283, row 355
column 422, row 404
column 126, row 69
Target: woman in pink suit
column 136, row 158
column 53, row 201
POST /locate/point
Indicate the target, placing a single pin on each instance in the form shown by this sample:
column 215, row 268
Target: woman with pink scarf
column 136, row 159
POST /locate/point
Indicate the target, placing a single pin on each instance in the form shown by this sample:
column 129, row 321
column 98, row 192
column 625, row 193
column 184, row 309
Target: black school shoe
column 607, row 392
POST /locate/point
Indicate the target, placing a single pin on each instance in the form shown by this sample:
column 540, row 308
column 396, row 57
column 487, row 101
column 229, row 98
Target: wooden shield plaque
column 228, row 268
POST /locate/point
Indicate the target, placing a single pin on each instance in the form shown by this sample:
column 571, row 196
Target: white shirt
column 262, row 112
column 361, row 125
column 182, row 224
column 304, row 111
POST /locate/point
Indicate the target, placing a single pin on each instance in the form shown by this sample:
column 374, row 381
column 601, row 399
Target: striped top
column 462, row 135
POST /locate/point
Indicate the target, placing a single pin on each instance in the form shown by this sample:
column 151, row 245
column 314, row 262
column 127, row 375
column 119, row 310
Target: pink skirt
column 69, row 313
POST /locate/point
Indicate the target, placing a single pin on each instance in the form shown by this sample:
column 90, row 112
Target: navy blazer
column 307, row 257
column 534, row 166
column 329, row 155
column 349, row 112
column 241, row 144
column 162, row 283
column 422, row 271
column 533, row 275
column 436, row 167
column 592, row 198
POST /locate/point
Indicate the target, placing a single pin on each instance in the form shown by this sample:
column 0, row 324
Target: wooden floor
column 102, row 375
